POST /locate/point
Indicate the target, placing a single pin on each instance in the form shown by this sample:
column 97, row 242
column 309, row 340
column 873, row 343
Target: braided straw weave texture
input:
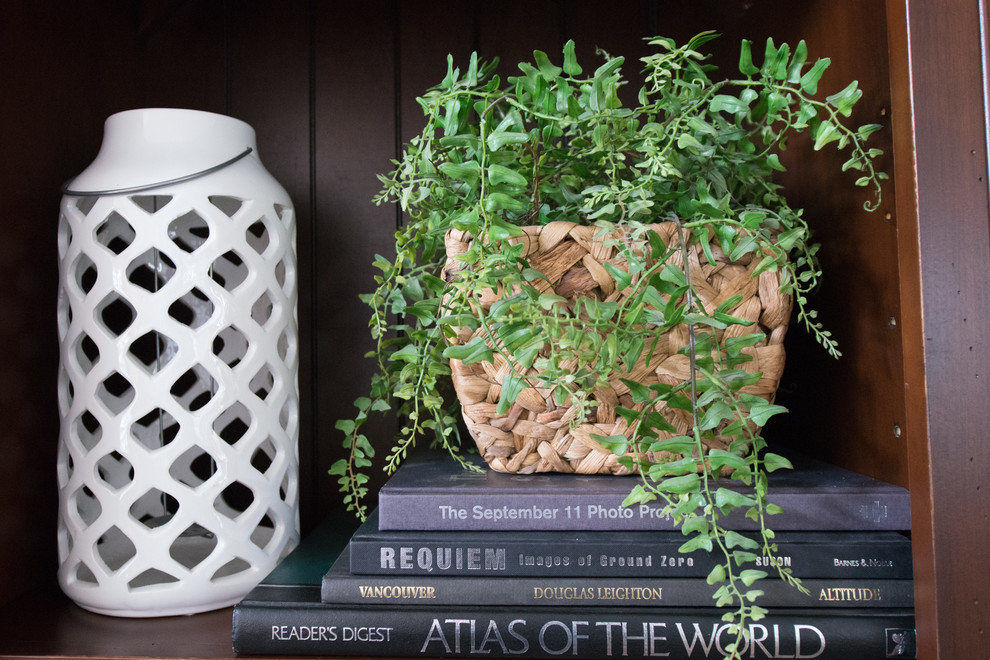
column 537, row 435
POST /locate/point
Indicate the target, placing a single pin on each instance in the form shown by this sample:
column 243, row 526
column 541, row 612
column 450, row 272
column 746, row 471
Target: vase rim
column 150, row 147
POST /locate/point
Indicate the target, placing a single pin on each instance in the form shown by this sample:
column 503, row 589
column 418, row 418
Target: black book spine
column 342, row 588
column 313, row 629
column 623, row 556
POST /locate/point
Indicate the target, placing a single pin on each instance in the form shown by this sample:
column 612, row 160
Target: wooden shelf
column 48, row 624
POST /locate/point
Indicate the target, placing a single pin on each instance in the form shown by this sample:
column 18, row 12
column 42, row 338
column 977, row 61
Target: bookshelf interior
column 329, row 87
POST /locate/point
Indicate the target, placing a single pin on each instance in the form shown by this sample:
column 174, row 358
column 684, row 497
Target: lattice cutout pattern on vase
column 177, row 459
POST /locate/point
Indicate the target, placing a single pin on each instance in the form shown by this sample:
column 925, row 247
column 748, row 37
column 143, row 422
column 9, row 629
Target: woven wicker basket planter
column 537, row 435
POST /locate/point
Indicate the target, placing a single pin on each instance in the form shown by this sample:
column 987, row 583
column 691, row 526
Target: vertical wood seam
column 985, row 64
column 228, row 65
column 395, row 14
column 314, row 265
column 912, row 325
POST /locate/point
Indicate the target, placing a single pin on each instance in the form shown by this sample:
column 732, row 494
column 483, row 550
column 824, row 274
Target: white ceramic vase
column 178, row 381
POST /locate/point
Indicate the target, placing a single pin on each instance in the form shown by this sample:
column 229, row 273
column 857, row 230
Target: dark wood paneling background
column 330, row 88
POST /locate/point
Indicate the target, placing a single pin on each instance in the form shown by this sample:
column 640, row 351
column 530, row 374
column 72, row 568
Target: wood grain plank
column 354, row 124
column 513, row 29
column 425, row 40
column 946, row 246
column 270, row 78
column 845, row 410
column 912, row 331
column 848, row 411
column 183, row 57
column 53, row 109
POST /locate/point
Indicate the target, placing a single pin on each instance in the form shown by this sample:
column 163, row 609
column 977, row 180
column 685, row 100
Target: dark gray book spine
column 436, row 509
column 281, row 628
column 625, row 555
column 603, row 592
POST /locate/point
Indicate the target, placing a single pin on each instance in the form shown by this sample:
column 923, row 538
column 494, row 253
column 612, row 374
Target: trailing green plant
column 556, row 143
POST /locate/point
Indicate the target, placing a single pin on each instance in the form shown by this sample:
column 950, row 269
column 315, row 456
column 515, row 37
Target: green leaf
column 716, row 575
column 512, row 385
column 673, row 274
column 683, row 484
column 733, row 345
column 728, row 319
column 546, row 67
column 638, row 495
column 703, row 319
column 752, row 595
column 726, row 497
column 719, row 458
column 531, row 274
column 736, row 540
column 617, row 444
column 677, row 445
column 867, row 130
column 773, row 462
column 729, row 303
column 571, row 67
column 498, row 139
column 499, row 201
column 500, row 230
column 775, row 61
column 640, row 392
column 695, row 525
column 452, row 73
column 773, row 161
column 622, row 278
column 452, row 116
column 526, row 356
column 809, row 81
column 773, row 509
column 748, row 577
column 684, row 465
column 517, row 333
column 697, row 542
column 500, row 174
column 475, row 350
column 715, row 415
column 797, row 62
column 761, row 412
column 547, row 301
column 680, row 402
column 690, row 143
column 699, row 125
column 657, row 246
column 726, row 103
column 472, row 75
column 844, row 101
column 746, row 66
column 634, row 350
column 609, row 67
column 469, row 143
column 468, row 172
column 408, row 353
column 741, row 557
column 827, row 132
column 599, row 311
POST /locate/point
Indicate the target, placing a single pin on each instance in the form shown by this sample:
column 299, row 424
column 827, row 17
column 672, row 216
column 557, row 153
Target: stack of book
column 459, row 563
